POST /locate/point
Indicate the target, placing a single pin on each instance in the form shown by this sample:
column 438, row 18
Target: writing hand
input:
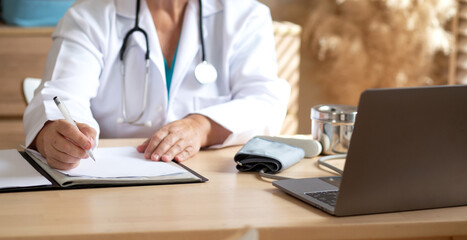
column 63, row 145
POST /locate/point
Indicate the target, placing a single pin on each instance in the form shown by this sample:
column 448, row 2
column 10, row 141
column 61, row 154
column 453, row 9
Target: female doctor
column 185, row 74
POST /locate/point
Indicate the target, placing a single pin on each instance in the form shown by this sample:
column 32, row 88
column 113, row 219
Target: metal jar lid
column 336, row 113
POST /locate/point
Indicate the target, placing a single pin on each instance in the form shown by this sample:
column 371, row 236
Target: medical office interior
column 328, row 50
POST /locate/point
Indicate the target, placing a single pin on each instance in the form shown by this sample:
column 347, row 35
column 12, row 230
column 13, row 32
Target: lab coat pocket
column 205, row 102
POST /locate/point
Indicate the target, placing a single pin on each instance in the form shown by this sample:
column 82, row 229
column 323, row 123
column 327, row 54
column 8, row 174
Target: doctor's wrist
column 212, row 133
column 38, row 143
column 201, row 125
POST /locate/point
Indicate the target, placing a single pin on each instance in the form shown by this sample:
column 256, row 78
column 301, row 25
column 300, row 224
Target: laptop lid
column 408, row 151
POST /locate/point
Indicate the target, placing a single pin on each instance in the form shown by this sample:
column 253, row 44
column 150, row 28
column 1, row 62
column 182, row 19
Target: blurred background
column 328, row 50
column 348, row 46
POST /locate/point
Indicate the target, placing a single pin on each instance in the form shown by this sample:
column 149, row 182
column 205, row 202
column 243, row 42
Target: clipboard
column 101, row 182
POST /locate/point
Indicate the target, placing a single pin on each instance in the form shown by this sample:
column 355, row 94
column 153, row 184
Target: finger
column 154, row 142
column 174, row 150
column 164, row 146
column 185, row 154
column 87, row 130
column 69, row 131
column 55, row 163
column 62, row 144
column 142, row 147
column 63, row 158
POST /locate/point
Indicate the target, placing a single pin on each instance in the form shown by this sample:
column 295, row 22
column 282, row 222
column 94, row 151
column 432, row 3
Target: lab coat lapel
column 188, row 47
column 155, row 54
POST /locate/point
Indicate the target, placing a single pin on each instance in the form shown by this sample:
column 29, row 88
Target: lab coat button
column 158, row 108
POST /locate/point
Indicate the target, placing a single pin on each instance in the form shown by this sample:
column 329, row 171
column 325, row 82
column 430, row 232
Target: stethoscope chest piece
column 205, row 73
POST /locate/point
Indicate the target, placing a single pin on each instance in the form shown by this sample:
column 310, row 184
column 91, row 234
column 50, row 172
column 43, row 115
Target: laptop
column 408, row 152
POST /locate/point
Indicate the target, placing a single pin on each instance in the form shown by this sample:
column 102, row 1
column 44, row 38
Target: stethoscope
column 204, row 71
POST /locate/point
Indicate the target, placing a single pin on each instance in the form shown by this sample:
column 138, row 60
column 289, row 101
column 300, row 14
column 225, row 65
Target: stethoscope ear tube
column 136, row 28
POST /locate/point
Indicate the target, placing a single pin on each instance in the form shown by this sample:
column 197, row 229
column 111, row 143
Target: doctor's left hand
column 181, row 139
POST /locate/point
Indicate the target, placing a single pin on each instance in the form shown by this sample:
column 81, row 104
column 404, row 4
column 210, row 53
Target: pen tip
column 91, row 155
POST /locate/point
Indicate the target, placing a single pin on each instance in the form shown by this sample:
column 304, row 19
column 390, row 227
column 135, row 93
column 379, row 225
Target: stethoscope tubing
column 136, row 28
column 204, row 71
column 201, row 31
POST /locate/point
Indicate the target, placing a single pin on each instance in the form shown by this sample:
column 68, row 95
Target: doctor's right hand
column 63, row 145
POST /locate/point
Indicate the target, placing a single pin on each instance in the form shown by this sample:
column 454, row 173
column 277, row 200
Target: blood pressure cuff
column 259, row 153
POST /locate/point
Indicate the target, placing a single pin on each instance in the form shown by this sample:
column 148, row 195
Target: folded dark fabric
column 259, row 153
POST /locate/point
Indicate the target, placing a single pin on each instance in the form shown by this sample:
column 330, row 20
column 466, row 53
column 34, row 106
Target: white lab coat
column 83, row 69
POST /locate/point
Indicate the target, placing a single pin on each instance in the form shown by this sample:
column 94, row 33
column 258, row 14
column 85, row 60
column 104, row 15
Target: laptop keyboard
column 328, row 197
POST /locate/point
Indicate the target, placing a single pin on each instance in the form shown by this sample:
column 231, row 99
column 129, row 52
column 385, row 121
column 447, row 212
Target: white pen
column 66, row 115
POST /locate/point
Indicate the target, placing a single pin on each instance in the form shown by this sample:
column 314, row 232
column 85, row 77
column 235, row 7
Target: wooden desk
column 226, row 204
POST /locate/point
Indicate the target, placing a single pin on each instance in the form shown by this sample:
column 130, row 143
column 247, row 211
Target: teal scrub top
column 169, row 71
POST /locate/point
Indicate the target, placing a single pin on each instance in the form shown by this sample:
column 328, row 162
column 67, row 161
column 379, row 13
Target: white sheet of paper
column 121, row 162
column 15, row 171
